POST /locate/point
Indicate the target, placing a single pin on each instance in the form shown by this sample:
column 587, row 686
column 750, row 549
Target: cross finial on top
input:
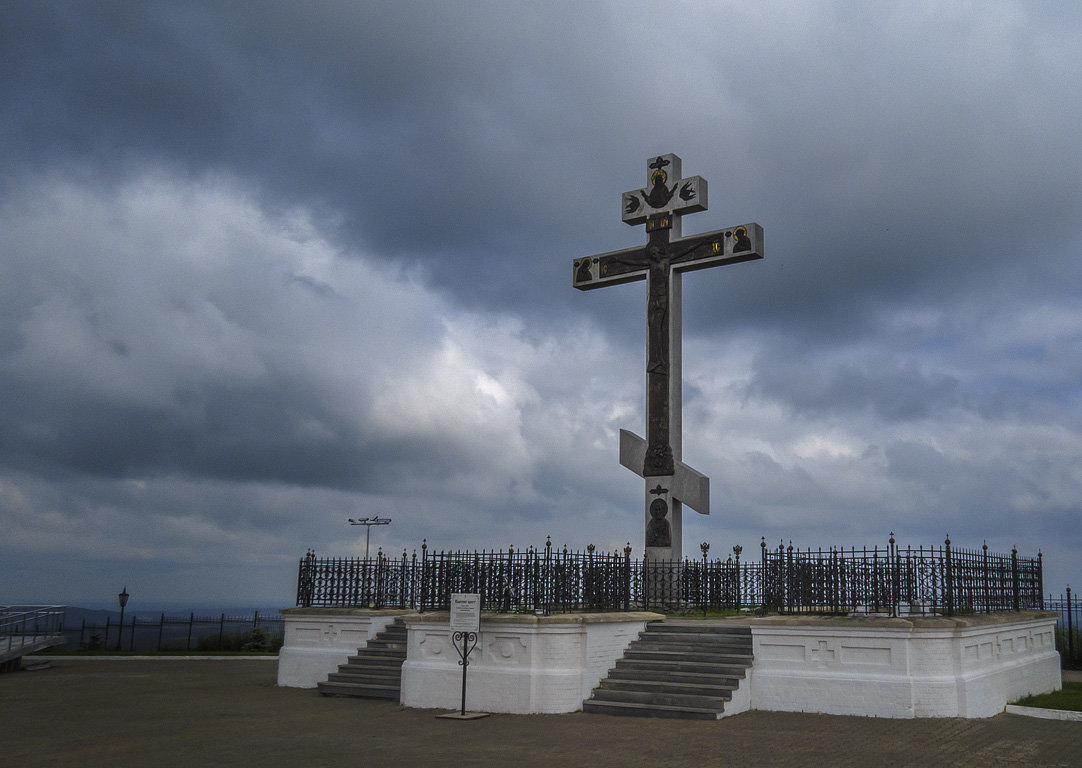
column 666, row 193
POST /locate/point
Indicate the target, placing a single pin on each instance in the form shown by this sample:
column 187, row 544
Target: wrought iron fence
column 920, row 579
column 877, row 580
column 1068, row 627
column 511, row 580
column 178, row 632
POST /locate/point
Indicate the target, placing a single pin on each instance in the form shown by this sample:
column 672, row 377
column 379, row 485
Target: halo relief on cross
column 661, row 262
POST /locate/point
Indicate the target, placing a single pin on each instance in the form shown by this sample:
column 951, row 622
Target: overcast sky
column 265, row 266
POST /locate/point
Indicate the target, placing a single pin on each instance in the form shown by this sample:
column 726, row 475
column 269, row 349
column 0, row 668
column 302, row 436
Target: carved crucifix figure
column 661, row 262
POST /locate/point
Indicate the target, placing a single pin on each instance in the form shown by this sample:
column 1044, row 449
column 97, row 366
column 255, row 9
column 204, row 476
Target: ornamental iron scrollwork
column 785, row 578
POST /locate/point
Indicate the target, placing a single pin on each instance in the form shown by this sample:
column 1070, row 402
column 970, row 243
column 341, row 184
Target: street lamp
column 368, row 522
column 123, row 598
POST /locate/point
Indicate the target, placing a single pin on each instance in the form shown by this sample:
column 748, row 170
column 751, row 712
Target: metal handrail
column 29, row 623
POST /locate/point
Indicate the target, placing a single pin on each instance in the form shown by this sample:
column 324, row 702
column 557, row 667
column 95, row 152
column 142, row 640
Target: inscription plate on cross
column 661, row 262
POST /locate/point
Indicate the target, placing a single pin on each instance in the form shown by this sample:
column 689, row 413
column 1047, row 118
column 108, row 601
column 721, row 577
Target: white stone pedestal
column 521, row 665
column 967, row 666
column 317, row 640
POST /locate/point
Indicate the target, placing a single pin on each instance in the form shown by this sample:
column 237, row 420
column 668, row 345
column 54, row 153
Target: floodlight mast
column 368, row 522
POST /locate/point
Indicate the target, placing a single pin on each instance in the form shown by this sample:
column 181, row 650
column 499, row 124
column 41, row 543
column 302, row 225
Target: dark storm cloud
column 890, row 389
column 234, row 435
column 176, row 359
column 453, row 134
column 420, row 124
column 267, row 257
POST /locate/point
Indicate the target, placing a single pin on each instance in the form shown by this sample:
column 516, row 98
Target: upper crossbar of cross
column 659, row 206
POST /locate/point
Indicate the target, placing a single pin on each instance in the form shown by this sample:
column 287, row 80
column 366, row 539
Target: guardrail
column 1068, row 627
column 27, row 628
column 185, row 632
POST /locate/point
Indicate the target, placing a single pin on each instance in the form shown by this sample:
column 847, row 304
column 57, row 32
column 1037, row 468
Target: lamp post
column 368, row 522
column 703, row 588
column 123, row 598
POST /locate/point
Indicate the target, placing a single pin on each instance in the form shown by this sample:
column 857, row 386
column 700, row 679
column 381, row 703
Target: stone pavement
column 231, row 713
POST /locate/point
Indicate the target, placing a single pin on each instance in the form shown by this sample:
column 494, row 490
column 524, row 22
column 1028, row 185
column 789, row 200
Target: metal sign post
column 469, row 642
column 465, row 626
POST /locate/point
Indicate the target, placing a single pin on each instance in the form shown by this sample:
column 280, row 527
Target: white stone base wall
column 741, row 698
column 521, row 665
column 968, row 666
column 913, row 667
column 317, row 640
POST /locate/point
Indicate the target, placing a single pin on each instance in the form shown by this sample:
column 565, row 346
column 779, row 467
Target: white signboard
column 465, row 612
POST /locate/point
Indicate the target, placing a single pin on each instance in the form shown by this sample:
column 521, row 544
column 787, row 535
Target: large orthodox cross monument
column 666, row 256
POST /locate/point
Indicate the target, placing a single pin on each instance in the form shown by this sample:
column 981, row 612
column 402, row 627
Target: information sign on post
column 465, row 624
column 465, row 612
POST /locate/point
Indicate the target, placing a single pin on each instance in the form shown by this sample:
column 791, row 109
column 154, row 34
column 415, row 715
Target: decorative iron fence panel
column 835, row 580
column 918, row 580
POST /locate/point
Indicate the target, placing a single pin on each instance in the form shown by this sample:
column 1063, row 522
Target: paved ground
column 230, row 713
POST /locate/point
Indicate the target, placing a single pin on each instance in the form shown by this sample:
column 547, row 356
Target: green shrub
column 258, row 642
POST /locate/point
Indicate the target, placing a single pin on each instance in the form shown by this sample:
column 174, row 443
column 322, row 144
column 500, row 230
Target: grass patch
column 1069, row 698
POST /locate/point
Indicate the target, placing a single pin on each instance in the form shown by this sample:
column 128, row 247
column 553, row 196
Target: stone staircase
column 677, row 669
column 376, row 671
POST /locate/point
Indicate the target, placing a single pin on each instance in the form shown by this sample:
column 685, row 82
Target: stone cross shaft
column 661, row 262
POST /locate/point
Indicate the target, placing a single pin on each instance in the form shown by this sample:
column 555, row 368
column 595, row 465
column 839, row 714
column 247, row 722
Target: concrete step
column 375, row 661
column 357, row 686
column 696, row 626
column 657, row 698
column 678, row 670
column 391, row 673
column 367, row 690
column 369, row 652
column 385, row 642
column 654, row 633
column 691, row 650
column 382, row 650
column 691, row 688
column 375, row 671
column 695, row 638
column 696, row 655
column 676, row 665
column 633, row 709
column 664, row 675
column 698, row 629
column 346, row 674
column 387, row 662
column 399, row 638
